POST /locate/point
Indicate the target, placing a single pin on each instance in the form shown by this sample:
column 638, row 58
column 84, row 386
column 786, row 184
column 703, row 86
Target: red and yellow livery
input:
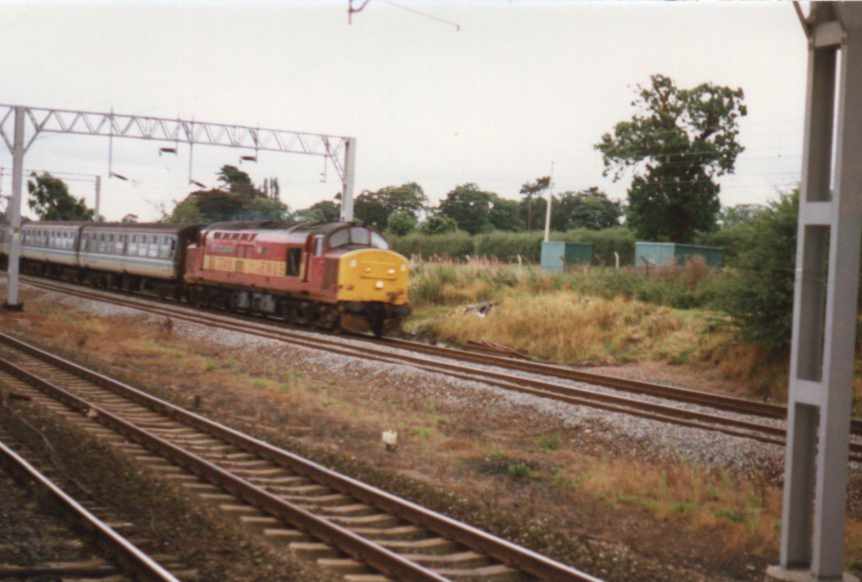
column 326, row 275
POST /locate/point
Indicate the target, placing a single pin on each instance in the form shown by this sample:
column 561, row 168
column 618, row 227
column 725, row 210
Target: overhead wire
column 423, row 14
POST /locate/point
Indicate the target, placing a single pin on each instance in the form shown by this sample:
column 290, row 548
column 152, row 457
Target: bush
column 732, row 240
column 508, row 246
column 759, row 294
column 455, row 245
column 437, row 223
column 605, row 242
column 401, row 222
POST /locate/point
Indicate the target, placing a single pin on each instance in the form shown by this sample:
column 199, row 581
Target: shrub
column 437, row 223
column 732, row 239
column 508, row 246
column 605, row 242
column 455, row 245
column 759, row 294
column 401, row 222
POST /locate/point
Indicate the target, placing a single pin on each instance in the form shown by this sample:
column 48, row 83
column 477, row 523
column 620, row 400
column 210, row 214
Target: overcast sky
column 522, row 84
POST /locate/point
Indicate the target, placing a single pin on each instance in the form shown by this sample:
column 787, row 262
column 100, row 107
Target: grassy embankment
column 595, row 316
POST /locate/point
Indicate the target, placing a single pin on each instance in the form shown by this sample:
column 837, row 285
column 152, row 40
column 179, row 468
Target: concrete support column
column 825, row 302
column 349, row 175
column 14, row 211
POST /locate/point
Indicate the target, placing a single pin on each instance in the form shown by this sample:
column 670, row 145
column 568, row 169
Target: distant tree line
column 467, row 207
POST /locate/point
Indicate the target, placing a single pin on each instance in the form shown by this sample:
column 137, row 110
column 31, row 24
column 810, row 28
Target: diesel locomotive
column 328, row 275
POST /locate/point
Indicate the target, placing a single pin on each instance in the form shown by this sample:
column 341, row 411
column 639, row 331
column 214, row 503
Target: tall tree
column 590, row 208
column 207, row 206
column 373, row 208
column 731, row 216
column 469, row 207
column 437, row 223
column 504, row 214
column 50, row 200
column 678, row 142
column 323, row 211
column 237, row 181
column 530, row 190
column 401, row 223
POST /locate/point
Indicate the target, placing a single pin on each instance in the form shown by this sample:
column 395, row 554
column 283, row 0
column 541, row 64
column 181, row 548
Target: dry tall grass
column 565, row 327
column 742, row 513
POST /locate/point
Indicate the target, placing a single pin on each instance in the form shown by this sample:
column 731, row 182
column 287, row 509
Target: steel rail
column 118, row 547
column 571, row 395
column 719, row 401
column 377, row 556
column 506, row 552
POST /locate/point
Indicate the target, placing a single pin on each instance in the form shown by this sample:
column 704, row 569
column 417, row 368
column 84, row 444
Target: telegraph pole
column 548, row 206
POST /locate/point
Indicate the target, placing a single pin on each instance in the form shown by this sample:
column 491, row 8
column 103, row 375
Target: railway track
column 350, row 528
column 702, row 411
column 84, row 546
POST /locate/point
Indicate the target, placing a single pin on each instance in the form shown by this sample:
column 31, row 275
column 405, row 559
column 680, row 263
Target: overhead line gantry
column 20, row 125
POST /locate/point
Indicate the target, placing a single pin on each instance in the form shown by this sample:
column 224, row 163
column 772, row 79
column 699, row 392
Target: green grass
column 549, row 442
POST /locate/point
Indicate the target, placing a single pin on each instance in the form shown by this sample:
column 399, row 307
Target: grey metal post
column 98, row 189
column 14, row 211
column 349, row 175
column 825, row 301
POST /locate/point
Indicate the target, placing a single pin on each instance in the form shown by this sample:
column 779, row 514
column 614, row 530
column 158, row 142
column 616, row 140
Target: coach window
column 294, row 262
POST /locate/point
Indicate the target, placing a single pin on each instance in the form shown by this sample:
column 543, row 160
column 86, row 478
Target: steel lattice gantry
column 825, row 303
column 20, row 125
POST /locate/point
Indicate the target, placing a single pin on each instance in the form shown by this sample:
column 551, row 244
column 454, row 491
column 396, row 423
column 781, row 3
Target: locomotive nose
column 372, row 275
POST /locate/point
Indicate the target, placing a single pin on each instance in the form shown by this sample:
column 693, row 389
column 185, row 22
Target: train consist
column 329, row 275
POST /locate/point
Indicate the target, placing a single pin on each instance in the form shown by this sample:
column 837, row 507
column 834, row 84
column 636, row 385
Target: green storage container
column 557, row 255
column 664, row 254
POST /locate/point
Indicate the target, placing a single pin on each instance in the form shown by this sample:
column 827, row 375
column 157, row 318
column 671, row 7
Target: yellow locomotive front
column 373, row 288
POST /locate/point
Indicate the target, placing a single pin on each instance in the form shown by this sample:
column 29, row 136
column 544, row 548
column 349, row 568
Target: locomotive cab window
column 378, row 242
column 359, row 236
column 294, row 262
column 339, row 238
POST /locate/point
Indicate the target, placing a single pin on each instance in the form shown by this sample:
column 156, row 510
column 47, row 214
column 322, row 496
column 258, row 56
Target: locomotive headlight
column 379, row 285
column 353, row 264
column 391, row 271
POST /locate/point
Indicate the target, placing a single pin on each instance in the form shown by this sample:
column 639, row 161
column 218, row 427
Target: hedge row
column 508, row 246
